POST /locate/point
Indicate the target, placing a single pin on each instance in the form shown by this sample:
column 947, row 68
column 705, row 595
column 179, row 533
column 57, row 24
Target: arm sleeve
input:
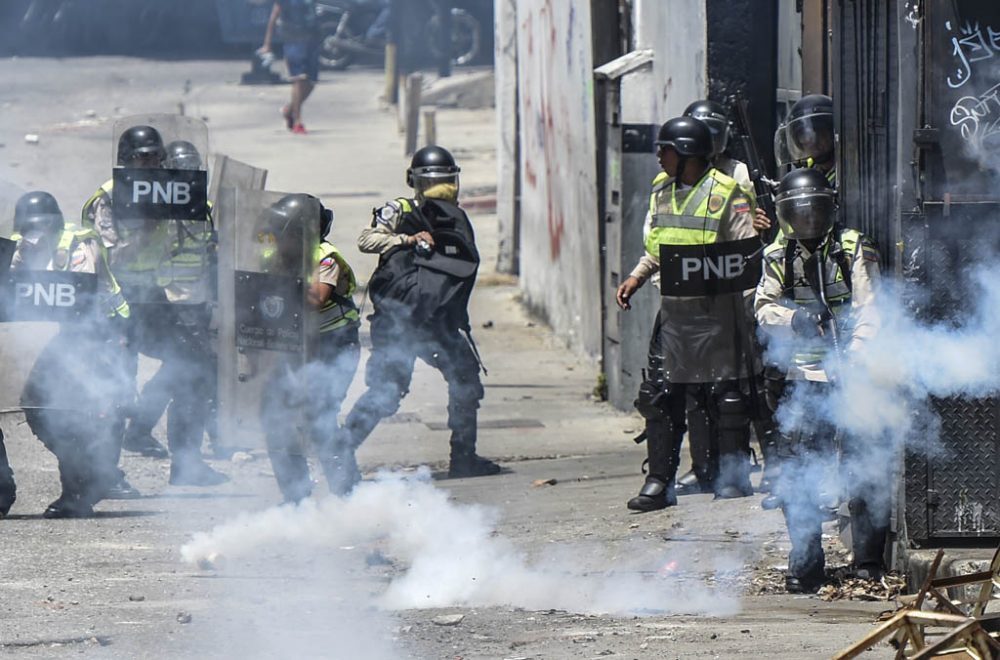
column 382, row 235
column 865, row 275
column 647, row 267
column 328, row 271
column 740, row 213
column 773, row 315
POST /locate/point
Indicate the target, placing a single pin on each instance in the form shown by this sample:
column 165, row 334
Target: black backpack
column 430, row 290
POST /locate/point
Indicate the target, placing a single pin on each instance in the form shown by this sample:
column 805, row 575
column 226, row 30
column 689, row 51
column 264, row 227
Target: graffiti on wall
column 559, row 253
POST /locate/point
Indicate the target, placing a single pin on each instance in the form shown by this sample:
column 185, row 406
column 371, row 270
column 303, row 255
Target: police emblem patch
column 715, row 203
column 327, row 262
column 272, row 306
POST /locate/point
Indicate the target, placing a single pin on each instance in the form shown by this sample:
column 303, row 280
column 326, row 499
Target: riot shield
column 32, row 305
column 265, row 327
column 228, row 172
column 172, row 185
column 164, row 242
column 706, row 330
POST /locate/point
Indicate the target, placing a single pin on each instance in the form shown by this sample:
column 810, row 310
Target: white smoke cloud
column 453, row 557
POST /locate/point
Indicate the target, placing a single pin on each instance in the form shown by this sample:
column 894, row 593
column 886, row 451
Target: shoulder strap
column 848, row 241
column 789, row 277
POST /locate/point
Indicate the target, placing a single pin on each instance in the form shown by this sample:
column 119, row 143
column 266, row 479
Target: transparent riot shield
column 228, row 172
column 161, row 232
column 265, row 328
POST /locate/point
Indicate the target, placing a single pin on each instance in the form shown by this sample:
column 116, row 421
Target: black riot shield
column 265, row 258
column 705, row 320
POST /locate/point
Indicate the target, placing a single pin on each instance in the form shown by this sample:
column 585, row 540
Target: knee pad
column 652, row 401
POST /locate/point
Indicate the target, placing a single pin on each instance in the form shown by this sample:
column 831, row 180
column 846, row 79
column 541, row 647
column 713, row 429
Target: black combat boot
column 8, row 495
column 657, row 491
column 468, row 464
column 191, row 470
column 655, row 494
column 69, row 505
column 144, row 444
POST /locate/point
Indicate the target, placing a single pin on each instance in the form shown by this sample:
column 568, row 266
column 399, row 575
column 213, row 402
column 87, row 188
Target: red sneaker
column 299, row 129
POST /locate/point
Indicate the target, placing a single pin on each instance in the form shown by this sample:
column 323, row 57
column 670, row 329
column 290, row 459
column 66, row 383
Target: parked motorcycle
column 351, row 30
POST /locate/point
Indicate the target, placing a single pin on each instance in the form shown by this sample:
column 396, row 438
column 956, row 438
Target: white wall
column 560, row 256
column 676, row 31
column 505, row 67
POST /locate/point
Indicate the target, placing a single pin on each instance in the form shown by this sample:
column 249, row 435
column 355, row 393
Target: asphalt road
column 542, row 561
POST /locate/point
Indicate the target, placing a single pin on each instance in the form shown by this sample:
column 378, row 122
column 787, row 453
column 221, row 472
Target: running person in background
column 299, row 34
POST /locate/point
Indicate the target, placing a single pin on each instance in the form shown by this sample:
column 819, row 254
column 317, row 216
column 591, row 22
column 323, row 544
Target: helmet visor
column 781, row 153
column 719, row 127
column 806, row 214
column 187, row 161
column 425, row 178
column 811, row 136
column 143, row 158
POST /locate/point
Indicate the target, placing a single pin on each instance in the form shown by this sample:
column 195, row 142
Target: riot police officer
column 137, row 248
column 186, row 274
column 715, row 116
column 816, row 300
column 693, row 203
column 76, row 390
column 806, row 139
column 425, row 317
column 323, row 382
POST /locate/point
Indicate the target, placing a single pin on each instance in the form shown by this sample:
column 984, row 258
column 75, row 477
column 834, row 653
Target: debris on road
column 888, row 588
column 541, row 483
column 31, row 138
column 183, row 617
column 448, row 619
column 136, row 599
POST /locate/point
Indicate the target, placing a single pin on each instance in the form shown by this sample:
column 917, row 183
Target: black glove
column 807, row 324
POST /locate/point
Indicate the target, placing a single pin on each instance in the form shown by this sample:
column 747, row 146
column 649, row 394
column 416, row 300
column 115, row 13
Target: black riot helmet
column 182, row 155
column 806, row 204
column 714, row 116
column 690, row 137
column 809, row 129
column 430, row 166
column 289, row 213
column 37, row 214
column 140, row 146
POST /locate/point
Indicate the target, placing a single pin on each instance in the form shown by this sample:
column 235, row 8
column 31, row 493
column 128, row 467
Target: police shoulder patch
column 741, row 205
column 715, row 203
column 327, row 262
